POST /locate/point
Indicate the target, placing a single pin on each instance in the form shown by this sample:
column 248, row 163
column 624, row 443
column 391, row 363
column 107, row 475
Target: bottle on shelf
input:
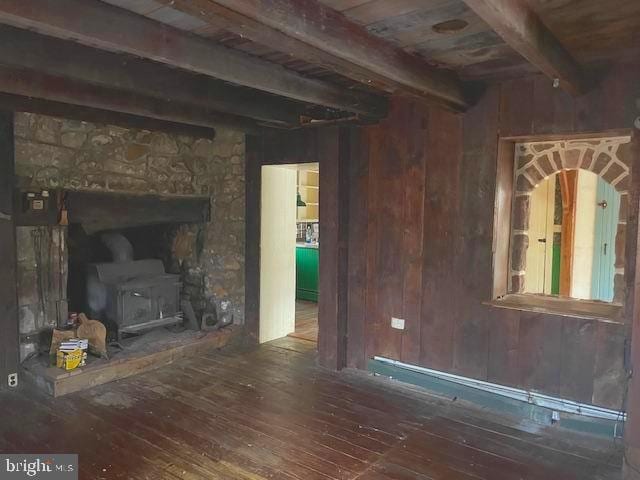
column 309, row 234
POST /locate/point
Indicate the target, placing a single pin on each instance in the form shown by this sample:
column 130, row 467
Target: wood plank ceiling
column 592, row 31
column 282, row 63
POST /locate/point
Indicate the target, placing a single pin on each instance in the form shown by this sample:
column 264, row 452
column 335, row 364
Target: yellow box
column 70, row 360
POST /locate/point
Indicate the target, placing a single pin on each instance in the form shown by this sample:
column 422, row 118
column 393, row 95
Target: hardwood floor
column 269, row 412
column 306, row 321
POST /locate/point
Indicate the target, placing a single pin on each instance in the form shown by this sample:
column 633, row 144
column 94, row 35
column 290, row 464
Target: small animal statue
column 95, row 332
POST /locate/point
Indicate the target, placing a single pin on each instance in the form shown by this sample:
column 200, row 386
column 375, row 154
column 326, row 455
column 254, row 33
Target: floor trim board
column 605, row 427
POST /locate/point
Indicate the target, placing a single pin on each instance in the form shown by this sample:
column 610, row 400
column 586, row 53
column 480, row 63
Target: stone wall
column 60, row 153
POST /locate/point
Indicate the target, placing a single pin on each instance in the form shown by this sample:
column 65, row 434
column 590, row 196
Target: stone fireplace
column 67, row 155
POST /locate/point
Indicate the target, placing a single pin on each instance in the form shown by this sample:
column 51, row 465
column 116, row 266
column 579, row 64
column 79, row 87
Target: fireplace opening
column 139, row 265
column 87, row 248
column 125, row 278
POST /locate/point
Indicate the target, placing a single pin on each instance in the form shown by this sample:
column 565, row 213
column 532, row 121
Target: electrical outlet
column 12, row 380
column 397, row 323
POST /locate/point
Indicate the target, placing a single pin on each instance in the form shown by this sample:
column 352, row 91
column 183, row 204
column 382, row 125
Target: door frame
column 330, row 147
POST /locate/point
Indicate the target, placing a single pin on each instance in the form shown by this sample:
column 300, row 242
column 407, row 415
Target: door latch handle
column 603, row 204
column 542, row 240
column 605, row 248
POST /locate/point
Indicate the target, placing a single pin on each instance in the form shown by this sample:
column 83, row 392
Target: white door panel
column 277, row 253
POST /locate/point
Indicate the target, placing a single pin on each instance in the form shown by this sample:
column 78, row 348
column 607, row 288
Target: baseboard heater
column 538, row 407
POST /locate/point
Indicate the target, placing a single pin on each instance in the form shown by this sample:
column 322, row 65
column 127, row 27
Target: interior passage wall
column 423, row 188
column 60, row 153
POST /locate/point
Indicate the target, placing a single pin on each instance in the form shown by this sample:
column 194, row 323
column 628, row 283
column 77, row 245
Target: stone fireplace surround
column 56, row 153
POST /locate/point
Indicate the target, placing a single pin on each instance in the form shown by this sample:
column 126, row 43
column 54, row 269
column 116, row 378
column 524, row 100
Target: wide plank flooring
column 306, row 321
column 270, row 413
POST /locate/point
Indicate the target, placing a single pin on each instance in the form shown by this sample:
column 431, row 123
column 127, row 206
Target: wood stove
column 132, row 295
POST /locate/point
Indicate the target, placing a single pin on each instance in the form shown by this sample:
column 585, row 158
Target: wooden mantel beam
column 522, row 29
column 99, row 25
column 310, row 31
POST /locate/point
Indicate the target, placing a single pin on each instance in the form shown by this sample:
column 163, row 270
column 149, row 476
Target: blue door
column 604, row 252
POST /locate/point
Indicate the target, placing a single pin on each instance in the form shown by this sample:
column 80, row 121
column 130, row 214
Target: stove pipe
column 120, row 248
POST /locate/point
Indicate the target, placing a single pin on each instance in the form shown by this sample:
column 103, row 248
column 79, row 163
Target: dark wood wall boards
column 331, row 147
column 8, row 270
column 632, row 430
column 422, row 190
column 334, row 151
column 424, row 187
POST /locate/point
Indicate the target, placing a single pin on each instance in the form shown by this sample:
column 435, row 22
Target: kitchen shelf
column 309, row 190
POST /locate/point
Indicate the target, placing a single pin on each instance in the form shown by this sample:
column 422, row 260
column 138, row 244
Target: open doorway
column 569, row 221
column 574, row 218
column 289, row 252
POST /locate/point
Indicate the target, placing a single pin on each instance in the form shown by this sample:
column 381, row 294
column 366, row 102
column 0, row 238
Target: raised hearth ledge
column 57, row 382
column 563, row 306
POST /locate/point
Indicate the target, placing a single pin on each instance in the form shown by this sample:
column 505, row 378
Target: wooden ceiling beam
column 27, row 83
column 19, row 103
column 312, row 32
column 99, row 25
column 22, row 49
column 523, row 30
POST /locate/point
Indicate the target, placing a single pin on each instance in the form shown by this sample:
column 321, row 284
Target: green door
column 307, row 274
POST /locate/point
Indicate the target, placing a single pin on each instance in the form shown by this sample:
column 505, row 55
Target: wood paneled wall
column 423, row 185
column 334, row 151
column 332, row 148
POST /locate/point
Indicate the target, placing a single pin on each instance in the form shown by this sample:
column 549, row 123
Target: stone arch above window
column 608, row 158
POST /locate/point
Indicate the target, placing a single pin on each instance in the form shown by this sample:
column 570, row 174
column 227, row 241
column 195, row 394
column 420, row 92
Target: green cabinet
column 307, row 273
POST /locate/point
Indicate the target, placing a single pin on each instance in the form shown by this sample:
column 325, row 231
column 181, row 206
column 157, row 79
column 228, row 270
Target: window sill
column 568, row 307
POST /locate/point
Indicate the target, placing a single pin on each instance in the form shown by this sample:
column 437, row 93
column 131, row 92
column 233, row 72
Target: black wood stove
column 132, row 295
